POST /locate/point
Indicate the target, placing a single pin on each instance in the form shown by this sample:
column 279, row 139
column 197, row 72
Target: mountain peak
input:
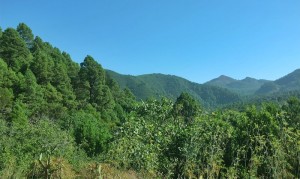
column 249, row 79
column 221, row 81
column 290, row 79
column 224, row 77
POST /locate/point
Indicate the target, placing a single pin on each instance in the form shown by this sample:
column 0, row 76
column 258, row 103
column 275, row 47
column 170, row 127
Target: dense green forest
column 250, row 86
column 217, row 93
column 246, row 86
column 60, row 119
column 170, row 86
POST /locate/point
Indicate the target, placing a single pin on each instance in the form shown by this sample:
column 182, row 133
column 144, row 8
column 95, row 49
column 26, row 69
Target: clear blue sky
column 196, row 39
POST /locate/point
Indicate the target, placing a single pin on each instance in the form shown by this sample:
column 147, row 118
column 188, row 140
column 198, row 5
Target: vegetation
column 59, row 119
column 247, row 86
column 250, row 86
column 170, row 86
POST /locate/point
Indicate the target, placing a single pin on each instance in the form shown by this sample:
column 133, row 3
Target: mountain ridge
column 244, row 87
column 157, row 85
column 171, row 86
column 289, row 82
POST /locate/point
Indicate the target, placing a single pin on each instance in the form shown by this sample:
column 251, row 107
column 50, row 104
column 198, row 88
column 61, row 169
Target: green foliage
column 19, row 114
column 247, row 86
column 292, row 108
column 138, row 141
column 72, row 67
column 186, row 107
column 59, row 119
column 42, row 66
column 13, row 50
column 90, row 132
column 6, row 101
column 290, row 80
column 41, row 83
column 23, row 144
column 267, row 88
column 234, row 144
column 91, row 85
column 31, row 94
column 26, row 34
column 159, row 85
column 206, row 146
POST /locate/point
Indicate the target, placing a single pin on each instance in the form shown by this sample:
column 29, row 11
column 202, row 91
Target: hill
column 158, row 85
column 220, row 91
column 59, row 119
column 221, row 81
column 247, row 86
column 290, row 82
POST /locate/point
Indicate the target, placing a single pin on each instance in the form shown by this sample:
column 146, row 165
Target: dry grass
column 105, row 171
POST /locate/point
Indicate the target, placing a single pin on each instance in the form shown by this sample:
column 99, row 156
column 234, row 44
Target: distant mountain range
column 247, row 86
column 290, row 82
column 251, row 86
column 160, row 85
column 216, row 92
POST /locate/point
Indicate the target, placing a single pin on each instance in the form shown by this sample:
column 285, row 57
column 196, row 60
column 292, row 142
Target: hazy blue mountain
column 159, row 85
column 247, row 86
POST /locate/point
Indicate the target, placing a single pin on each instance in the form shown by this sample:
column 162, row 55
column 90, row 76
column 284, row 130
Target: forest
column 60, row 119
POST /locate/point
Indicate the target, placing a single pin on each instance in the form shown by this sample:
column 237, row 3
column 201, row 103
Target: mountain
column 268, row 88
column 247, row 86
column 290, row 82
column 159, row 85
column 216, row 92
column 221, row 81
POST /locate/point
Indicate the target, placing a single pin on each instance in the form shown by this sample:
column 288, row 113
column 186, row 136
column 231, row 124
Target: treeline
column 50, row 105
column 59, row 119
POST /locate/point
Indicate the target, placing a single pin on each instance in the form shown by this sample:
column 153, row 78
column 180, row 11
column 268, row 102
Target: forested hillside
column 170, row 86
column 60, row 119
column 252, row 87
column 247, row 86
column 51, row 106
column 290, row 82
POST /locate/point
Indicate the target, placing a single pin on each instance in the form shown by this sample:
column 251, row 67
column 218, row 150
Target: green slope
column 221, row 81
column 290, row 82
column 217, row 92
column 159, row 85
column 247, row 86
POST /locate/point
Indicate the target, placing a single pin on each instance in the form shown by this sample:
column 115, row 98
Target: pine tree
column 6, row 101
column 42, row 67
column 19, row 113
column 26, row 34
column 8, row 77
column 13, row 50
column 72, row 68
column 32, row 94
column 91, row 81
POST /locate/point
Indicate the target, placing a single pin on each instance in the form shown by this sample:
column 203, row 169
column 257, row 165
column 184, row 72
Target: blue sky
column 195, row 39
